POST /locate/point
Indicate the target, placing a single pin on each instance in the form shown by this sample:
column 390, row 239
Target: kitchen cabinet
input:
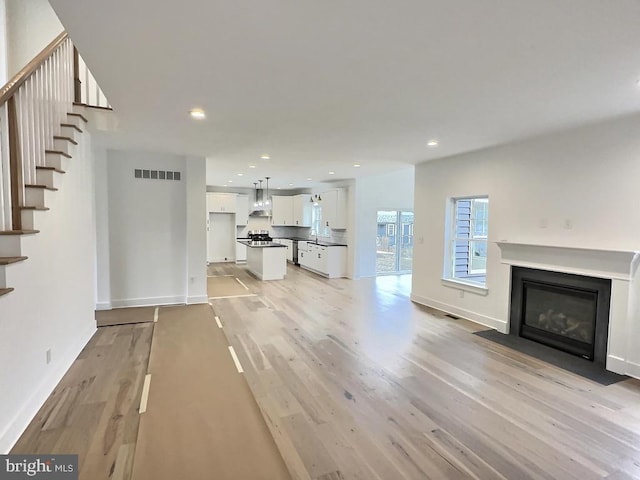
column 289, row 244
column 334, row 209
column 241, row 253
column 221, row 202
column 282, row 211
column 242, row 210
column 302, row 210
column 328, row 261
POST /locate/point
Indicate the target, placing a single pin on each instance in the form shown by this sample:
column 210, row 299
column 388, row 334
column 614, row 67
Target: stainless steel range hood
column 260, row 212
column 262, row 204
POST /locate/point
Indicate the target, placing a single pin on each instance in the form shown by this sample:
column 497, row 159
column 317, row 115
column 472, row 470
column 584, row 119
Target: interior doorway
column 221, row 238
column 394, row 242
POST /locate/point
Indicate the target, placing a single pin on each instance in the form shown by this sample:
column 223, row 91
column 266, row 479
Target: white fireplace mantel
column 618, row 265
column 613, row 264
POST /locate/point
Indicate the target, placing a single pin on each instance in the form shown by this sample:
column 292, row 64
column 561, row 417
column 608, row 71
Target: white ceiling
column 321, row 85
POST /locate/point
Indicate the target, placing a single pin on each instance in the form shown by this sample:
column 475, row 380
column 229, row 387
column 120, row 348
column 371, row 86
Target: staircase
column 40, row 128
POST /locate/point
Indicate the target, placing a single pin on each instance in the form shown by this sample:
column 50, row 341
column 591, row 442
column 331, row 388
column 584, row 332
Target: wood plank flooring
column 357, row 382
column 123, row 316
column 93, row 412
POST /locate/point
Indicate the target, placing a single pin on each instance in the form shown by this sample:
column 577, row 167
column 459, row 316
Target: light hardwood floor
column 93, row 412
column 357, row 382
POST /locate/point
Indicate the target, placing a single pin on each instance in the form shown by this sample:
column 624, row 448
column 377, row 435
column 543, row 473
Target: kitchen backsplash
column 264, row 223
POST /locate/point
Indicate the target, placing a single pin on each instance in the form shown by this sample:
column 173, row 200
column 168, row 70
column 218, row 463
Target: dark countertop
column 251, row 244
column 313, row 242
column 297, row 239
column 326, row 244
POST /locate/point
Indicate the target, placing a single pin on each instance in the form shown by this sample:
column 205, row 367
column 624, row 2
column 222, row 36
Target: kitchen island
column 266, row 260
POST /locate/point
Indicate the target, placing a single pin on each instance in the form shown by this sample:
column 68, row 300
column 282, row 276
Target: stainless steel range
column 259, row 236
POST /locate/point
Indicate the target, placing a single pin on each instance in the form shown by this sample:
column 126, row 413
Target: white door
column 222, row 238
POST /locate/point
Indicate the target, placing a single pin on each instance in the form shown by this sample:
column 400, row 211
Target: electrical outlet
column 568, row 224
column 544, row 223
column 48, row 356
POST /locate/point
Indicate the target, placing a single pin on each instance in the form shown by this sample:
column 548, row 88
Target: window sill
column 466, row 286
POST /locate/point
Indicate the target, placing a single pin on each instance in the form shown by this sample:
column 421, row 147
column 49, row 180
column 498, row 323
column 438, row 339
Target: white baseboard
column 197, row 299
column 633, row 369
column 104, row 306
column 12, row 432
column 500, row 325
column 148, row 302
column 622, row 366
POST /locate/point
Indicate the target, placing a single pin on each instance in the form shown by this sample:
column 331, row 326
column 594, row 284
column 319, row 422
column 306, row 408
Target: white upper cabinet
column 302, row 210
column 334, row 208
column 242, row 209
column 282, row 211
column 221, row 202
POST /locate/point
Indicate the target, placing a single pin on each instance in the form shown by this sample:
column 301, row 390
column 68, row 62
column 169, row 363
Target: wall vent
column 156, row 174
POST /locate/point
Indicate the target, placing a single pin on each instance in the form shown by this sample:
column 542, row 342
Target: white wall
column 52, row 306
column 585, row 179
column 4, row 76
column 152, row 237
column 147, row 230
column 196, row 230
column 391, row 191
column 101, row 199
column 31, row 26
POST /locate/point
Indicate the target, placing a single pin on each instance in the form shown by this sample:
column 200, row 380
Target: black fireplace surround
column 565, row 311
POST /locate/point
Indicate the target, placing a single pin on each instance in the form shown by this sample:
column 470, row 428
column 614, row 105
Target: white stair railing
column 33, row 105
column 88, row 92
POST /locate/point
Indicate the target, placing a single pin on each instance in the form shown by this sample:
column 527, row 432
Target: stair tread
column 33, row 207
column 71, row 125
column 4, row 291
column 62, row 137
column 19, row 232
column 79, row 115
column 58, row 152
column 45, row 187
column 10, row 260
column 79, row 104
column 50, row 168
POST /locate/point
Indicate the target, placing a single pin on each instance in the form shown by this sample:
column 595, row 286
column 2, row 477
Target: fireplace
column 564, row 311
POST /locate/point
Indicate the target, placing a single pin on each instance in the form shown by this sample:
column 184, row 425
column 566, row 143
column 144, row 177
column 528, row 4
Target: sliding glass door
column 394, row 242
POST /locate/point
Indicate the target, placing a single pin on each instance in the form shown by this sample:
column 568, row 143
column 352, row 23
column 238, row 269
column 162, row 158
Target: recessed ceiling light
column 291, row 184
column 252, row 166
column 357, row 165
column 197, row 113
column 309, row 178
column 332, row 173
column 240, row 174
column 432, row 143
column 229, row 181
column 265, row 157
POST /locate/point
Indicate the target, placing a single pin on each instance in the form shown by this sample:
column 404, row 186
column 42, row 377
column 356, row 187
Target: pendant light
column 315, row 199
column 261, row 194
column 255, row 186
column 267, row 202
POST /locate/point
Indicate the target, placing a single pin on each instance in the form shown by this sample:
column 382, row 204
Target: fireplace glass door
column 562, row 317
